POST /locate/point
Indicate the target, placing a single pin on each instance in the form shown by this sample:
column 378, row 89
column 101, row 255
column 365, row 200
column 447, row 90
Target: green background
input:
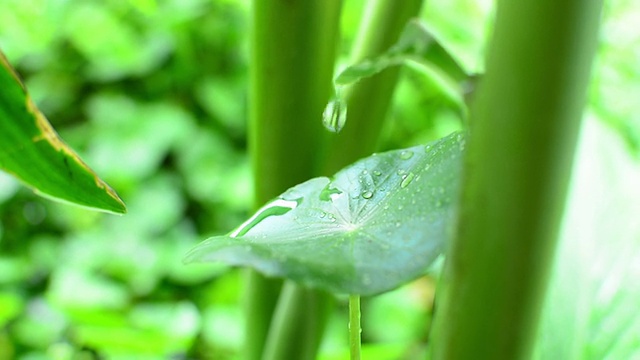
column 153, row 94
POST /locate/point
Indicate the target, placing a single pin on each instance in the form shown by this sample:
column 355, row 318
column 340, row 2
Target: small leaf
column 379, row 223
column 416, row 44
column 32, row 151
column 420, row 51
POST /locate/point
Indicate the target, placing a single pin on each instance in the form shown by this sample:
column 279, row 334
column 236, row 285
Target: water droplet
column 274, row 208
column 406, row 154
column 377, row 173
column 365, row 172
column 398, row 224
column 427, row 148
column 323, row 214
column 426, row 168
column 406, row 180
column 329, row 193
column 367, row 194
column 401, row 172
column 335, row 115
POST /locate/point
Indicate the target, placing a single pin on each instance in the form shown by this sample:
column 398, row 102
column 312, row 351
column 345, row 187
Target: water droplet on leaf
column 406, row 180
column 329, row 193
column 406, row 154
column 367, row 194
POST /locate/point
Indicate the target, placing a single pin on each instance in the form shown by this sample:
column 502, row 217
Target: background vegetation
column 153, row 95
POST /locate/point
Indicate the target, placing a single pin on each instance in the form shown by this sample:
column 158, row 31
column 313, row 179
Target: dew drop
column 377, row 173
column 323, row 214
column 406, row 180
column 335, row 115
column 367, row 194
column 406, row 154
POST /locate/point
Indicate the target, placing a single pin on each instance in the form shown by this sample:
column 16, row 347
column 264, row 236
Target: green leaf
column 32, row 151
column 416, row 44
column 591, row 306
column 378, row 223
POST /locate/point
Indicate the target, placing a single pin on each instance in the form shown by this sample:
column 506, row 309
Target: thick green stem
column 524, row 127
column 287, row 340
column 293, row 45
column 354, row 326
column 368, row 100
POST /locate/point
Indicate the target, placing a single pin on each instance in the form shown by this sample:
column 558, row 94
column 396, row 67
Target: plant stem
column 368, row 100
column 354, row 326
column 297, row 304
column 524, row 128
column 293, row 47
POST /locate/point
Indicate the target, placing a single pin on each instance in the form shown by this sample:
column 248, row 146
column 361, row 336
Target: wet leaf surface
column 378, row 223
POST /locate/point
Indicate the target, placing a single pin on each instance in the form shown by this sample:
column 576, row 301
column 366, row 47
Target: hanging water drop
column 335, row 115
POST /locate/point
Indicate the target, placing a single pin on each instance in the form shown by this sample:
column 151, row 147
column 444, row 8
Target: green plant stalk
column 354, row 326
column 368, row 100
column 524, row 128
column 298, row 304
column 293, row 47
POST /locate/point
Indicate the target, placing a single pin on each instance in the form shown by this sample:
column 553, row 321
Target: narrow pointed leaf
column 416, row 44
column 32, row 151
column 378, row 223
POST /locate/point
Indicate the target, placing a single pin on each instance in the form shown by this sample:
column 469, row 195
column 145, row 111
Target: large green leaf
column 378, row 223
column 33, row 152
column 591, row 308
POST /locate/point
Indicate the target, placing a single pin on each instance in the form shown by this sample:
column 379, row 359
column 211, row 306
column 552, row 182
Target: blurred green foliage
column 152, row 94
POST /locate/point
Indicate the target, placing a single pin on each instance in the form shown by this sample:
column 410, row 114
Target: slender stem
column 293, row 47
column 368, row 100
column 524, row 128
column 354, row 326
